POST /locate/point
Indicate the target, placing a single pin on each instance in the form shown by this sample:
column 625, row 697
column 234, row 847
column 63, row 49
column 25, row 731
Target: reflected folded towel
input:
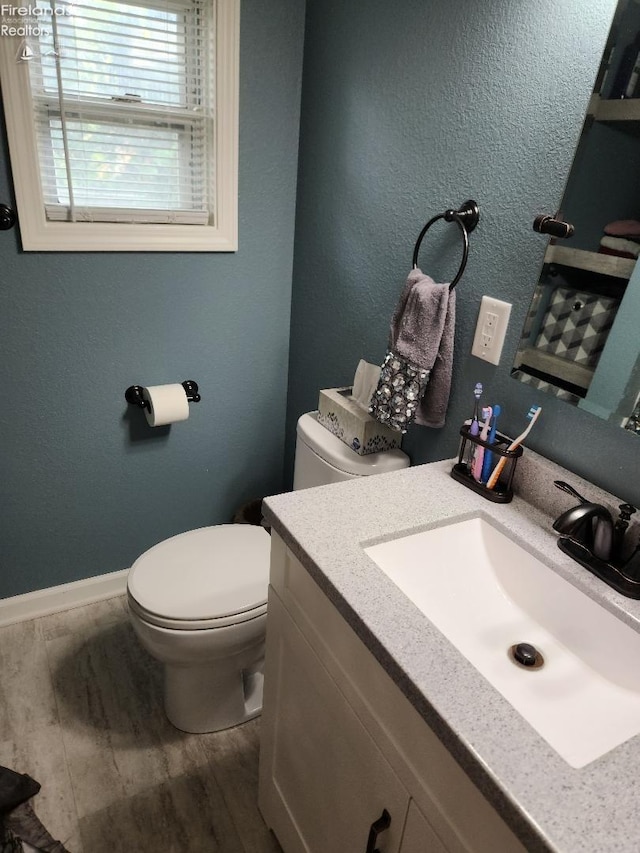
column 623, row 228
column 620, row 247
column 415, row 378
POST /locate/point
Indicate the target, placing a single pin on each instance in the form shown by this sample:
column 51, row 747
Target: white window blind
column 122, row 120
column 123, row 106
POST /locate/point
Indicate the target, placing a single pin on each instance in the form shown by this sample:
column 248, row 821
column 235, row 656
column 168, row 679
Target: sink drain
column 526, row 655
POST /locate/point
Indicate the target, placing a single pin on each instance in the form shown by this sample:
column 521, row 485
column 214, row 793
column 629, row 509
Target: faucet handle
column 626, row 511
column 620, row 530
column 565, row 487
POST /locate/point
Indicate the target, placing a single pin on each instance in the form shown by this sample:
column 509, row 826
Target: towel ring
column 467, row 218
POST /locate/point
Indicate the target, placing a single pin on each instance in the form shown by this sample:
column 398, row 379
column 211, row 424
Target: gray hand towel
column 415, row 378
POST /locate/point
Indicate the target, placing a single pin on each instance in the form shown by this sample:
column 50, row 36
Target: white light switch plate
column 491, row 329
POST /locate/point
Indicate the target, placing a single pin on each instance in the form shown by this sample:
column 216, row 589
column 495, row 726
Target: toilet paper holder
column 133, row 394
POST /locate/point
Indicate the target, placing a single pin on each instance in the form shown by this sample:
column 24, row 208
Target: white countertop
column 548, row 804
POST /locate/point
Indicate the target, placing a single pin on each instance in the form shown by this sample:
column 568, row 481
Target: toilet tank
column 322, row 458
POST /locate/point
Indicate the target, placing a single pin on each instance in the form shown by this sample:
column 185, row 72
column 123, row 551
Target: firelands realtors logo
column 29, row 21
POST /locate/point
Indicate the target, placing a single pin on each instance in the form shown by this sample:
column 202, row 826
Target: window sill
column 46, row 236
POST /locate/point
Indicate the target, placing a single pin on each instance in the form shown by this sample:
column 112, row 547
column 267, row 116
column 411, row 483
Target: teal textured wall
column 85, row 486
column 408, row 109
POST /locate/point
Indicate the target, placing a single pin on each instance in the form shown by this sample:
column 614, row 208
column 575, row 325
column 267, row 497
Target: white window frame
column 39, row 234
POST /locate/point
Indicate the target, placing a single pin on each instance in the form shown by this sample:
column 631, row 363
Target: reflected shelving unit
column 619, row 109
column 582, row 259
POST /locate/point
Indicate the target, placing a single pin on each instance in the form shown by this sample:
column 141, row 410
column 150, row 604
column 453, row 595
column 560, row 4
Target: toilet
column 198, row 601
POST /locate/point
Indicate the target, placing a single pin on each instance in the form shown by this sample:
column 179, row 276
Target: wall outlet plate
column 491, row 329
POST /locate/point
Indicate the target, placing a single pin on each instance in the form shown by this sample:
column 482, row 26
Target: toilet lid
column 204, row 574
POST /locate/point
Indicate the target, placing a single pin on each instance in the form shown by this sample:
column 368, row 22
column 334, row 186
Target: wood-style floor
column 81, row 712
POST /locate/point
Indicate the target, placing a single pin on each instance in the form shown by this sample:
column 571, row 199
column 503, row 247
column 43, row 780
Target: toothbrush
column 476, row 468
column 487, row 462
column 474, row 428
column 532, row 415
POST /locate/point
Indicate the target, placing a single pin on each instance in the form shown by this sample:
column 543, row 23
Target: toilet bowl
column 198, row 604
column 198, row 601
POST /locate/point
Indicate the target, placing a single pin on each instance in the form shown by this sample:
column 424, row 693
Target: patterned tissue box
column 338, row 413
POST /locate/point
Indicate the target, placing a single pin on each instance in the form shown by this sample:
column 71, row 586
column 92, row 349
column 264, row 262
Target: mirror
column 580, row 340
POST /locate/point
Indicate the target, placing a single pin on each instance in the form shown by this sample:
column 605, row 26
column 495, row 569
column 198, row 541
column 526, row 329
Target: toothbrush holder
column 502, row 492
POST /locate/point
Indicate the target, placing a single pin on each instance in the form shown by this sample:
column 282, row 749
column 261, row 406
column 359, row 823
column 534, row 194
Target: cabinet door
column 419, row 836
column 323, row 781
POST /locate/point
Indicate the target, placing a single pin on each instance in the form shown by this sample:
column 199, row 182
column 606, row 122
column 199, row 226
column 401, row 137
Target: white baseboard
column 42, row 602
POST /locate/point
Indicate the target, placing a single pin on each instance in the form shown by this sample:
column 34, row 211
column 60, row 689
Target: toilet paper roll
column 166, row 404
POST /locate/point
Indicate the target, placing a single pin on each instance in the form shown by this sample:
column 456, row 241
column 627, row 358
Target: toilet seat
column 211, row 577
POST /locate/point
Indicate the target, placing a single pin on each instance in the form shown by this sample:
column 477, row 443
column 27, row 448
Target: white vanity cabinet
column 341, row 744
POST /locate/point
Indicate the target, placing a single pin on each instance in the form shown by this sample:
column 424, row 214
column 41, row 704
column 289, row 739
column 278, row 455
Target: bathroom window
column 122, row 118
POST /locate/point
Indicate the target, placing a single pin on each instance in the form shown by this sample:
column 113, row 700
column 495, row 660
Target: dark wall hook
column 8, row 217
column 545, row 224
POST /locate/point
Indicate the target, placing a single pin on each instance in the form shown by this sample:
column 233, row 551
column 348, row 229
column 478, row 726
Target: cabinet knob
column 378, row 826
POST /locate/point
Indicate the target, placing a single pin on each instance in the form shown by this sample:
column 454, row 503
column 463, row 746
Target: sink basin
column 486, row 593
